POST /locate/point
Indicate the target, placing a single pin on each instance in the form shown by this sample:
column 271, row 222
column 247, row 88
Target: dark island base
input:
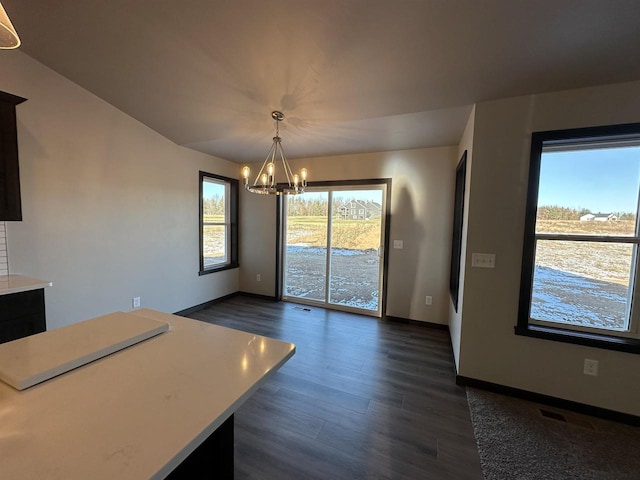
column 21, row 314
column 213, row 459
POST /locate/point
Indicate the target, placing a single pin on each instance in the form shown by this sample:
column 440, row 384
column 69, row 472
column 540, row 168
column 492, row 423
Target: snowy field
column 354, row 276
column 564, row 297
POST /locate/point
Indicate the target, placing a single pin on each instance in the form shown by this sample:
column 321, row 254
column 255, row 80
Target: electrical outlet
column 590, row 367
column 398, row 244
column 135, row 302
column 428, row 300
column 258, row 278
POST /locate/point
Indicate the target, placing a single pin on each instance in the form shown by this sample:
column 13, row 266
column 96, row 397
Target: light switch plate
column 483, row 260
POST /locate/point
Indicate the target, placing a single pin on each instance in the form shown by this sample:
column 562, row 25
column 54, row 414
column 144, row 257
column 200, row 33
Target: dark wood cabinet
column 10, row 204
column 21, row 314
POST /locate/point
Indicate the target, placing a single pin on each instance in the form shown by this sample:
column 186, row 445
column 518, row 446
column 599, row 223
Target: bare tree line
column 555, row 212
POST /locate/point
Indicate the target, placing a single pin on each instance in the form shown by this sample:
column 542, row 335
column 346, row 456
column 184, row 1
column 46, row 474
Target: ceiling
column 350, row 75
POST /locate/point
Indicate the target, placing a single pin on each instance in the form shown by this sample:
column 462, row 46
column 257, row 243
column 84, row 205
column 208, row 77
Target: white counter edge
column 197, row 441
column 18, row 283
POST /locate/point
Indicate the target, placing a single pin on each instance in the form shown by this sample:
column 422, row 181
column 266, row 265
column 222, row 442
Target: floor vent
column 302, row 309
column 569, row 419
column 553, row 415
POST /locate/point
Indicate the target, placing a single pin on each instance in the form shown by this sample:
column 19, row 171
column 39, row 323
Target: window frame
column 529, row 327
column 231, row 223
column 456, row 237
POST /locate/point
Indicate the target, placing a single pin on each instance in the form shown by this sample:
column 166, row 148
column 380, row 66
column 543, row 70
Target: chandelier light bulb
column 246, row 171
column 303, row 174
column 8, row 36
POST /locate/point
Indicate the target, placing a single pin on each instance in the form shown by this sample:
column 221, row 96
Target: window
column 218, row 223
column 580, row 259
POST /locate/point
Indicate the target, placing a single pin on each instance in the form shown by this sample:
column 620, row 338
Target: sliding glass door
column 333, row 246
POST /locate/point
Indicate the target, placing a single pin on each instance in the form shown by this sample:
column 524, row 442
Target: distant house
column 359, row 210
column 598, row 217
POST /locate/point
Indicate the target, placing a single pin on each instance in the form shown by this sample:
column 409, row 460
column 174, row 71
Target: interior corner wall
column 490, row 351
column 423, row 182
column 110, row 207
column 455, row 317
column 258, row 232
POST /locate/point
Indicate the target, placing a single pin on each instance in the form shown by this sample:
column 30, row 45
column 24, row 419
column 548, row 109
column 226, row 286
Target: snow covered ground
column 564, row 297
column 354, row 276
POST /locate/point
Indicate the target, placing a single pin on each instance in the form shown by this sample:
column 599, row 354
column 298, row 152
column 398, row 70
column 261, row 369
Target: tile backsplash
column 4, row 255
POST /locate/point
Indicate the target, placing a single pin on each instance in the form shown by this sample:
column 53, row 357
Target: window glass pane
column 214, row 245
column 213, row 201
column 306, row 248
column 215, row 239
column 590, row 191
column 355, row 243
column 583, row 283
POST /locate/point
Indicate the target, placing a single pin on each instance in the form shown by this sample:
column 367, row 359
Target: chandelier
column 265, row 182
column 8, row 36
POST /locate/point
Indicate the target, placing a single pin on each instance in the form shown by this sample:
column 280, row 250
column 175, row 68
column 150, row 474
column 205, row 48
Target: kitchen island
column 162, row 408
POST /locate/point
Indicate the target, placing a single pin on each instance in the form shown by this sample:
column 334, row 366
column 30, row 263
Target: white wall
column 421, row 215
column 455, row 317
column 110, row 207
column 490, row 350
column 257, row 217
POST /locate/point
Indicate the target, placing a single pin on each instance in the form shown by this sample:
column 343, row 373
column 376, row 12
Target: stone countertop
column 18, row 283
column 139, row 412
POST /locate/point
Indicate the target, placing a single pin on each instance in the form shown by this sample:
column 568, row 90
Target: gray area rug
column 517, row 441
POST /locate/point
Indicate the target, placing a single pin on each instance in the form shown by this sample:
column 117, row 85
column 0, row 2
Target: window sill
column 218, row 269
column 609, row 342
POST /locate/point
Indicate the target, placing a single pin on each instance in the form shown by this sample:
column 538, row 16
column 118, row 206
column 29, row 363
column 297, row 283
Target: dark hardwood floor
column 361, row 398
